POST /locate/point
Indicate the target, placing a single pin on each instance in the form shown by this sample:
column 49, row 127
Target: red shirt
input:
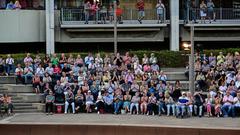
column 140, row 5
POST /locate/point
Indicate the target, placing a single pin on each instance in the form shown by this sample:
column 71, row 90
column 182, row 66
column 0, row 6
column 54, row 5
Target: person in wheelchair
column 182, row 105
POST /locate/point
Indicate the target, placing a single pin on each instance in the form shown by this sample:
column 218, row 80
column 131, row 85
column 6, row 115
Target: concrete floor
column 124, row 120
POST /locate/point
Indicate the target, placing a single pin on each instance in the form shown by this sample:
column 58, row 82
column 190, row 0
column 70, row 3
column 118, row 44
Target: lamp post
column 191, row 63
column 115, row 27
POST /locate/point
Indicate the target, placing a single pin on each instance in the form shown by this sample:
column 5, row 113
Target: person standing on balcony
column 2, row 4
column 193, row 11
column 210, row 11
column 160, row 11
column 87, row 7
column 17, row 5
column 95, row 11
column 203, row 11
column 10, row 5
column 141, row 13
column 186, row 10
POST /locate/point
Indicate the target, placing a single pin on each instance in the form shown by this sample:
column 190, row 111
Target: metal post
column 191, row 63
column 115, row 27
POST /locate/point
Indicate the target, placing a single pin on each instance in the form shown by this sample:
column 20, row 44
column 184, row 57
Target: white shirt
column 10, row 61
column 237, row 100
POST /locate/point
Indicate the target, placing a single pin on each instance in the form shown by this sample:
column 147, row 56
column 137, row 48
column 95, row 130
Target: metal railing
column 127, row 16
column 220, row 14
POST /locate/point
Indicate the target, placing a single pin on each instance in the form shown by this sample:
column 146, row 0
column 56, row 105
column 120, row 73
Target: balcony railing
column 104, row 17
column 221, row 15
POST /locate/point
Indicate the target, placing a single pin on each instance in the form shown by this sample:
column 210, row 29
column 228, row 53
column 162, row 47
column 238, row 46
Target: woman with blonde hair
column 17, row 5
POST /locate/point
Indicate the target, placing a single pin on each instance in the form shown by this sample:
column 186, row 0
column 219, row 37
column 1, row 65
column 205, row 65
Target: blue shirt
column 10, row 6
column 108, row 99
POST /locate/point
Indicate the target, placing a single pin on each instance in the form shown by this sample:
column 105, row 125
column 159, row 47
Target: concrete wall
column 58, row 129
column 22, row 26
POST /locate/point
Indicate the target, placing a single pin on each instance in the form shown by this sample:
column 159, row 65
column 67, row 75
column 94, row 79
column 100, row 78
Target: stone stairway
column 23, row 98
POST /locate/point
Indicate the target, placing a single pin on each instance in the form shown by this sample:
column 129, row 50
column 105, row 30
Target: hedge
column 165, row 58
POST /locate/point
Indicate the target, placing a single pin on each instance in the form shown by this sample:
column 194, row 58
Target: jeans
column 27, row 77
column 161, row 108
column 117, row 106
column 190, row 109
column 66, row 106
column 193, row 15
column 9, row 67
column 86, row 17
column 226, row 109
column 181, row 109
column 169, row 106
column 49, row 107
column 136, row 105
column 200, row 107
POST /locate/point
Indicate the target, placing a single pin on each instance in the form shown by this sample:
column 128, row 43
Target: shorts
column 141, row 13
column 203, row 14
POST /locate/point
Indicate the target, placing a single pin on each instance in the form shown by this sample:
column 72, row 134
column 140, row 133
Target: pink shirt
column 146, row 68
column 227, row 98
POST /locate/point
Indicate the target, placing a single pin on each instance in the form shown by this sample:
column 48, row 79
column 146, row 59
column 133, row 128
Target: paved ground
column 107, row 119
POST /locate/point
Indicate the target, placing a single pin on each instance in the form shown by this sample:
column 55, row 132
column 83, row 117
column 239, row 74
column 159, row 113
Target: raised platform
column 106, row 124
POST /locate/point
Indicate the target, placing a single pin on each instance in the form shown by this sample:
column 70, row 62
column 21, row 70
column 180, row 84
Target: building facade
column 63, row 21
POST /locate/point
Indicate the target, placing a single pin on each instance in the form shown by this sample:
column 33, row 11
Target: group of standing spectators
column 206, row 11
column 100, row 12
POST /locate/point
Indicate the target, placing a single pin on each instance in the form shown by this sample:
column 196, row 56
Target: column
column 50, row 43
column 174, row 35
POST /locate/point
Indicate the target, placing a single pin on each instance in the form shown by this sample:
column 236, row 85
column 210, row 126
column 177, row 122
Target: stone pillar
column 174, row 33
column 50, row 42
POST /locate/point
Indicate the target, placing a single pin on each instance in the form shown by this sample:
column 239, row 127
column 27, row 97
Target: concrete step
column 173, row 69
column 176, row 76
column 24, row 107
column 22, row 104
column 7, row 80
column 16, row 98
column 18, row 88
column 27, row 111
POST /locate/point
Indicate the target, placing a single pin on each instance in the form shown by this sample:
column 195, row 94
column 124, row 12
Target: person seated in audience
column 49, row 103
column 127, row 101
column 7, row 103
column 135, row 103
column 170, row 104
column 209, row 104
column 69, row 100
column 79, row 100
column 40, row 71
column 108, row 102
column 66, row 69
column 144, row 103
column 152, row 104
column 198, row 104
column 19, row 73
column 182, row 105
column 36, row 83
column 28, row 73
column 118, row 101
column 89, row 101
column 57, row 72
column 100, row 103
column 64, row 79
column 49, row 69
column 236, row 103
column 227, row 104
column 47, row 80
column 59, row 92
column 161, row 103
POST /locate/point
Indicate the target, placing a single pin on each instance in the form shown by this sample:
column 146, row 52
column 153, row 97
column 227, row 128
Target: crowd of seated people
column 126, row 84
